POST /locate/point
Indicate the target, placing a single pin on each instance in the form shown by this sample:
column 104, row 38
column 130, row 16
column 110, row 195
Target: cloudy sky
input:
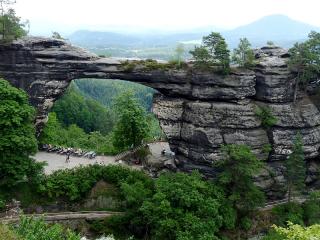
column 70, row 15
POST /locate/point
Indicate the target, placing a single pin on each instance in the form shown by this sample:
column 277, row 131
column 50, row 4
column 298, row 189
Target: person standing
column 68, row 156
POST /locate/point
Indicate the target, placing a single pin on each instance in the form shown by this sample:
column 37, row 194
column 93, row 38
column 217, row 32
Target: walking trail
column 56, row 161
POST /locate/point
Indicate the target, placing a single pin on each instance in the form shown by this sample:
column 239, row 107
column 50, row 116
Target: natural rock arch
column 198, row 111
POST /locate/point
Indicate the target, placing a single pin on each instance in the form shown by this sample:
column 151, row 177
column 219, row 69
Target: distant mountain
column 280, row 29
column 111, row 39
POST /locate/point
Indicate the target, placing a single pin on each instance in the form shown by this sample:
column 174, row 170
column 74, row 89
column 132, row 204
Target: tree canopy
column 305, row 60
column 185, row 207
column 132, row 126
column 17, row 133
column 213, row 52
column 235, row 176
column 243, row 55
column 11, row 26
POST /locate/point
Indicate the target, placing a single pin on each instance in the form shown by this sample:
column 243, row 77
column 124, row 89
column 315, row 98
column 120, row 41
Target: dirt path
column 56, row 161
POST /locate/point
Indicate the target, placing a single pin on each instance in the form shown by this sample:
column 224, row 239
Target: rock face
column 199, row 112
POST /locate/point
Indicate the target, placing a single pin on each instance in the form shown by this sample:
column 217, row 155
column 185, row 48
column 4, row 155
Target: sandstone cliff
column 198, row 111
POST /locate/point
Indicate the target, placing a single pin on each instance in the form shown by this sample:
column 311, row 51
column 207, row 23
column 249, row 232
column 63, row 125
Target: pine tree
column 243, row 55
column 295, row 168
column 213, row 52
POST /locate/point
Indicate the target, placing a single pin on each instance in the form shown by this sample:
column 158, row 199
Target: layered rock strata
column 199, row 112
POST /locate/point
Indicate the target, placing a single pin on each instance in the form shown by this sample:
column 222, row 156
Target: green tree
column 50, row 133
column 203, row 59
column 299, row 63
column 236, row 173
column 295, row 168
column 184, row 207
column 17, row 133
column 11, row 26
column 213, row 52
column 132, row 126
column 243, row 55
column 312, row 208
column 305, row 61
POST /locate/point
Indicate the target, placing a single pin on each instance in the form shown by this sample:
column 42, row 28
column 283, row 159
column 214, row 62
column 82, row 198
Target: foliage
column 11, row 26
column 7, row 234
column 235, row 175
column 77, row 107
column 213, row 52
column 73, row 136
column 18, row 140
column 294, row 232
column 74, row 184
column 305, row 60
column 203, row 59
column 37, row 229
column 184, row 207
column 295, row 168
column 106, row 91
column 152, row 65
column 86, row 113
column 174, row 206
column 131, row 127
column 292, row 212
column 266, row 117
column 243, row 55
column 312, row 208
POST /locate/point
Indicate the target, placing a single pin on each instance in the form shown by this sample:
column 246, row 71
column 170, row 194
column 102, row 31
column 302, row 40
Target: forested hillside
column 86, row 116
column 105, row 91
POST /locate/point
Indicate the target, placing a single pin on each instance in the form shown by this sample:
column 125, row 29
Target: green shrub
column 312, row 209
column 7, row 234
column 265, row 115
column 292, row 212
column 245, row 223
column 37, row 229
column 74, row 184
column 294, row 232
column 184, row 207
column 127, row 66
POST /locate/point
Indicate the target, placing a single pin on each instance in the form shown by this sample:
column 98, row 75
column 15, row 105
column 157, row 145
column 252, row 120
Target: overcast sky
column 71, row 15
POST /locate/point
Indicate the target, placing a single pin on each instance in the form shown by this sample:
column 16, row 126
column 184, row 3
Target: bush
column 7, row 234
column 294, row 232
column 184, row 207
column 37, row 229
column 292, row 212
column 245, row 223
column 312, row 209
column 266, row 117
column 74, row 184
column 18, row 141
